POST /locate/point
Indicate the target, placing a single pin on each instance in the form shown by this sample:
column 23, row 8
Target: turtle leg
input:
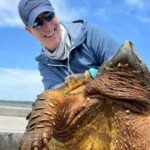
column 74, row 109
column 41, row 121
column 54, row 114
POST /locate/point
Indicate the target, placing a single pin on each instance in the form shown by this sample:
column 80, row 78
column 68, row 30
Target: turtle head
column 124, row 79
column 125, row 55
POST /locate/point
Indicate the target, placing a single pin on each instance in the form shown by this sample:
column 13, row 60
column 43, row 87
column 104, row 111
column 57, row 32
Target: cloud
column 10, row 17
column 64, row 11
column 135, row 3
column 9, row 14
column 144, row 19
column 102, row 13
column 19, row 84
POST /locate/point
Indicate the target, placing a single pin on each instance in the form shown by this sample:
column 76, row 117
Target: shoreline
column 21, row 104
column 15, row 108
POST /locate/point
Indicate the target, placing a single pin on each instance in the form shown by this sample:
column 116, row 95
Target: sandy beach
column 12, row 123
column 13, row 116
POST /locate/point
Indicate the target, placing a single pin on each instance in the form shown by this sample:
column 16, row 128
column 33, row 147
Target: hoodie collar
column 76, row 31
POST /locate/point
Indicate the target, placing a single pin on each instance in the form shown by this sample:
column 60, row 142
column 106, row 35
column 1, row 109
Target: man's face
column 48, row 34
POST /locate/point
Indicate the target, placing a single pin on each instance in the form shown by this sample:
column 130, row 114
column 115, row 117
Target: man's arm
column 49, row 78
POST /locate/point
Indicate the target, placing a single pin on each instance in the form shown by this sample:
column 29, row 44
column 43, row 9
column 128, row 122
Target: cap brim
column 36, row 12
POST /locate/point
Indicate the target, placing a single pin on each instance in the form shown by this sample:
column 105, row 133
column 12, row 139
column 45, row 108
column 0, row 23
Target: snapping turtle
column 110, row 112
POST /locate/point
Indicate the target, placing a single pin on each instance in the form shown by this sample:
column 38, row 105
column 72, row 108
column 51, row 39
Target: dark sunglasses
column 39, row 22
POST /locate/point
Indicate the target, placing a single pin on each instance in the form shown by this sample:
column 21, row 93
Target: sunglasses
column 39, row 22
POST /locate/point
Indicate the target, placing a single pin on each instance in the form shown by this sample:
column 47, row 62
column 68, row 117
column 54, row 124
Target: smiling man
column 48, row 34
column 67, row 48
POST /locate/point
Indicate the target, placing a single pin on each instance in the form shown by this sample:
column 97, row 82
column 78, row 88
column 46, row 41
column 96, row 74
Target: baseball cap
column 30, row 9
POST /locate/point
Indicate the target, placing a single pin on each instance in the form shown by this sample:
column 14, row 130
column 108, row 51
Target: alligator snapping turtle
column 110, row 112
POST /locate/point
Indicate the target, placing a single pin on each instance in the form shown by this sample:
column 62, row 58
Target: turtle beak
column 125, row 55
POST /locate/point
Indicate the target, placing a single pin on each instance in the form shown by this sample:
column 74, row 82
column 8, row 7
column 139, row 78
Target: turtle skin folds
column 55, row 114
column 126, row 95
column 110, row 112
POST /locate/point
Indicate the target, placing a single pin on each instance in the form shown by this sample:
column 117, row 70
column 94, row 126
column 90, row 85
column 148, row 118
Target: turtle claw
column 45, row 141
column 35, row 140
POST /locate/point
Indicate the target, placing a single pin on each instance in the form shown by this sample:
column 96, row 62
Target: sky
column 19, row 75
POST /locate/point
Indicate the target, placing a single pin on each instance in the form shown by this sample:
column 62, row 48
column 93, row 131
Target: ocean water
column 9, row 103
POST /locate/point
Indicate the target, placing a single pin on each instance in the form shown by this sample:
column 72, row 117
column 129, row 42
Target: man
column 67, row 48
